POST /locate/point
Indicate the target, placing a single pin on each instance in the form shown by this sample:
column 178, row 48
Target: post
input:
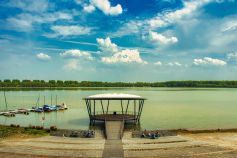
column 87, row 105
column 134, row 111
column 127, row 107
column 94, row 108
column 94, row 113
column 139, row 109
column 141, row 102
column 101, row 102
column 122, row 105
column 107, row 107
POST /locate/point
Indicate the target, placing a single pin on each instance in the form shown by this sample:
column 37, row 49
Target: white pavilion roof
column 114, row 96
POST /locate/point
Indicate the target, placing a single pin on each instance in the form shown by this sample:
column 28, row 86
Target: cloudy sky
column 118, row 40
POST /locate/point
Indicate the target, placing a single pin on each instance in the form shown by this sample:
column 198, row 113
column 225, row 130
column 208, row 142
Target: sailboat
column 37, row 108
column 7, row 113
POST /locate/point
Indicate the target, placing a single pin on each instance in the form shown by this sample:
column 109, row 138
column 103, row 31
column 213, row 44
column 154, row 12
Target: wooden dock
column 113, row 144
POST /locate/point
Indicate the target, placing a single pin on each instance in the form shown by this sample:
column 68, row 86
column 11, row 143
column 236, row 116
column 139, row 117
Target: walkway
column 113, row 145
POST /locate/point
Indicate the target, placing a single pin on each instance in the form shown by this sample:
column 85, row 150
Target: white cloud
column 79, row 1
column 119, row 56
column 106, row 45
column 209, row 61
column 158, row 63
column 232, row 56
column 157, row 22
column 71, row 65
column 19, row 24
column 24, row 22
column 174, row 64
column 89, row 8
column 43, row 56
column 131, row 27
column 29, row 5
column 75, row 53
column 163, row 19
column 104, row 6
column 229, row 25
column 58, row 16
column 124, row 56
column 159, row 38
column 189, row 8
column 72, row 30
column 166, row 18
column 221, row 1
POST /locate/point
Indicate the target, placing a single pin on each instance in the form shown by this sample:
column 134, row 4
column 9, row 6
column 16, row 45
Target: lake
column 165, row 108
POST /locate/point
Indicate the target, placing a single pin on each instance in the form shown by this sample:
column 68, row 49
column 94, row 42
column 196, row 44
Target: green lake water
column 165, row 108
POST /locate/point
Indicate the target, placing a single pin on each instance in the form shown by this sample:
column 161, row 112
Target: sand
column 184, row 145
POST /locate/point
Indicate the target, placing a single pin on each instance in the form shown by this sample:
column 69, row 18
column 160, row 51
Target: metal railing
column 117, row 112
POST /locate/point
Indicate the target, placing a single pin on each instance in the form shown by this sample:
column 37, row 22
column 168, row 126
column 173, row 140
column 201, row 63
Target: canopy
column 114, row 96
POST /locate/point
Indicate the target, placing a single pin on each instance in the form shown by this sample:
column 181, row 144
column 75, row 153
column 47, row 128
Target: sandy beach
column 184, row 145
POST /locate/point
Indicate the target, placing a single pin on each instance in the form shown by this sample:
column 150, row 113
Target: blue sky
column 118, row 40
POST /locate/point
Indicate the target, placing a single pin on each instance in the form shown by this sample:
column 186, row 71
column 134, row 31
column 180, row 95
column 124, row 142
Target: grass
column 7, row 131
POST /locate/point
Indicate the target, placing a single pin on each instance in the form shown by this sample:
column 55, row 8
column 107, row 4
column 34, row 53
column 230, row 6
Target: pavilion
column 102, row 102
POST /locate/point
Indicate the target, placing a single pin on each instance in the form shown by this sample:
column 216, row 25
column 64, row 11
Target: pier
column 113, row 145
column 114, row 120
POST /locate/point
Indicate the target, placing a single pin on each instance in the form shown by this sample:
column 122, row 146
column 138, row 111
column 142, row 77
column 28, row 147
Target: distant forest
column 59, row 83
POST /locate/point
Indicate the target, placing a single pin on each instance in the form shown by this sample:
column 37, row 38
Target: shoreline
column 193, row 131
column 111, row 87
column 135, row 133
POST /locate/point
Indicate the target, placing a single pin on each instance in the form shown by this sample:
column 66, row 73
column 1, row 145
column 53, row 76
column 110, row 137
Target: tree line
column 60, row 83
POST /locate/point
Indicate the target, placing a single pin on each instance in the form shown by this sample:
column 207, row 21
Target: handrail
column 117, row 112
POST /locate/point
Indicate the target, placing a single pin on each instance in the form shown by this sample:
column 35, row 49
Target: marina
column 37, row 108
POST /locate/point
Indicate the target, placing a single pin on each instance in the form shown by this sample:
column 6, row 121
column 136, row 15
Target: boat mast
column 44, row 99
column 56, row 100
column 37, row 102
column 51, row 99
column 5, row 99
